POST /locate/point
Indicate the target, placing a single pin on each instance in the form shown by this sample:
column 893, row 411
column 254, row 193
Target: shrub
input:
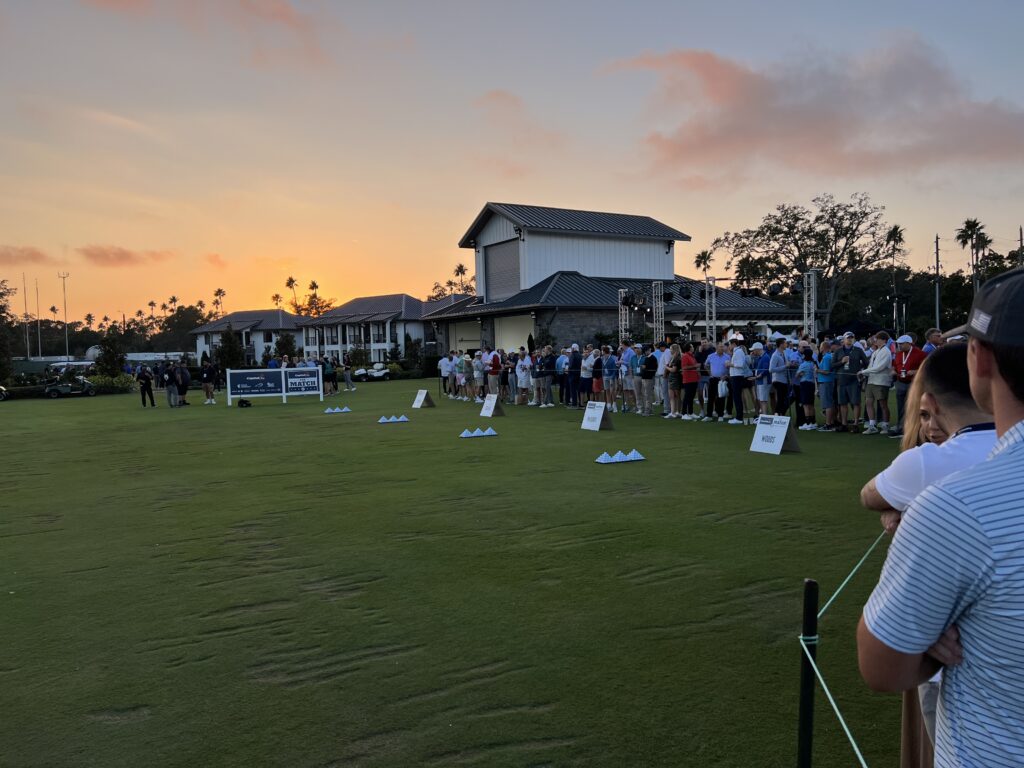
column 113, row 385
column 395, row 370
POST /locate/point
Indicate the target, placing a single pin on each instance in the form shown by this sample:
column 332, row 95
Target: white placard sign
column 774, row 434
column 423, row 399
column 596, row 417
column 491, row 407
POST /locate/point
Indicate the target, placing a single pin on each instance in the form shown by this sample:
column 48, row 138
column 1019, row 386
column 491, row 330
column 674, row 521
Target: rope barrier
column 835, row 707
column 850, row 575
column 809, row 639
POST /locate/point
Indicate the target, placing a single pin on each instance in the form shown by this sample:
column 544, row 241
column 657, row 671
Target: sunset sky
column 159, row 147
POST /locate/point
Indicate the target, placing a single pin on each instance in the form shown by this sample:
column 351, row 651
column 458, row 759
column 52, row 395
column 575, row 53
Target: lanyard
column 986, row 426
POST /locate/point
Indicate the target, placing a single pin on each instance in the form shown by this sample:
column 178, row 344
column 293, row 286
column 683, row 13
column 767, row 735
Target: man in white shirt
column 444, row 368
column 959, row 436
column 660, row 381
column 879, row 376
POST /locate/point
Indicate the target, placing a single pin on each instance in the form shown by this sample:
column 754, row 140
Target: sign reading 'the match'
column 491, row 407
column 596, row 417
column 422, row 400
column 274, row 382
column 774, row 434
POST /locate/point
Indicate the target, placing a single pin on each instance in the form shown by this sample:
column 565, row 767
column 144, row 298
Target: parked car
column 79, row 385
column 379, row 372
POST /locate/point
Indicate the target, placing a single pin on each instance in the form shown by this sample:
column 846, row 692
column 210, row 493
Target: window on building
column 268, row 337
column 394, row 333
column 344, row 334
column 331, row 332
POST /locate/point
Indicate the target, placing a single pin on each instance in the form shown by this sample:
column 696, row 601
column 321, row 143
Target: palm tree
column 152, row 308
column 277, row 299
column 313, row 287
column 53, row 309
column 163, row 308
column 173, row 301
column 291, row 282
column 968, row 235
column 90, row 318
column 460, row 272
column 139, row 314
column 219, row 294
column 702, row 261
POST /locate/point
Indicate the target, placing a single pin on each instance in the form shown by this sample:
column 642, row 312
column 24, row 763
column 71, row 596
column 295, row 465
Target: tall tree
column 219, row 295
column 163, row 308
column 54, row 311
column 967, row 235
column 460, row 272
column 173, row 302
column 152, row 309
column 90, row 318
column 230, row 353
column 277, row 299
column 292, row 283
column 837, row 238
column 702, row 261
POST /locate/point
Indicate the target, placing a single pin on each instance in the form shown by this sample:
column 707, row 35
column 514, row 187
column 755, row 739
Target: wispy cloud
column 116, row 256
column 15, row 255
column 275, row 31
column 513, row 128
column 899, row 109
column 216, row 260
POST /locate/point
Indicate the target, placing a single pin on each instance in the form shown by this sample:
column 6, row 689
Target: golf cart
column 78, row 385
column 379, row 372
column 3, row 394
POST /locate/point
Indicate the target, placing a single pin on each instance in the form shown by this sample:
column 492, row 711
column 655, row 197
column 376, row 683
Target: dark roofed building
column 375, row 323
column 517, row 246
column 573, row 307
column 257, row 330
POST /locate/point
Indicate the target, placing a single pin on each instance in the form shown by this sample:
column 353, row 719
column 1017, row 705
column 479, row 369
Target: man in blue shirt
column 951, row 593
column 827, row 387
column 562, row 372
column 718, row 370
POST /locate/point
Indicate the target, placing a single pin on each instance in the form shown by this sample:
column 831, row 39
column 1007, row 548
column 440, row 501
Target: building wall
column 577, row 325
column 497, row 230
column 512, row 332
column 543, row 254
column 464, row 335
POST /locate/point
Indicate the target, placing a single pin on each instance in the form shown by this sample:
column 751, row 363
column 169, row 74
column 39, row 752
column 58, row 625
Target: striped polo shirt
column 958, row 557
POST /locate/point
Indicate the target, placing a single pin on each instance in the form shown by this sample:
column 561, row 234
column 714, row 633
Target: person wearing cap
column 648, row 368
column 879, row 379
column 907, row 361
column 950, row 592
column 717, row 363
column 739, row 373
column 848, row 362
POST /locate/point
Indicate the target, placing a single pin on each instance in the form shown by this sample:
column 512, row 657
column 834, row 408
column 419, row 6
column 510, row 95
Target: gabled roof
column 371, row 309
column 444, row 303
column 566, row 220
column 572, row 290
column 250, row 320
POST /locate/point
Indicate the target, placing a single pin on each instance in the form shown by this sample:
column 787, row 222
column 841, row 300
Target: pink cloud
column 216, row 260
column 895, row 110
column 13, row 255
column 511, row 126
column 275, row 31
column 116, row 256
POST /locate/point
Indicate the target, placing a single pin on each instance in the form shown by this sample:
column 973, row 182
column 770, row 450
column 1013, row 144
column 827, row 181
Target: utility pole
column 938, row 309
column 24, row 318
column 1020, row 246
column 63, row 276
column 39, row 323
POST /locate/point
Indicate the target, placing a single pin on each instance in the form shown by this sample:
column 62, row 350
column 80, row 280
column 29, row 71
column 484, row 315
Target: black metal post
column 809, row 634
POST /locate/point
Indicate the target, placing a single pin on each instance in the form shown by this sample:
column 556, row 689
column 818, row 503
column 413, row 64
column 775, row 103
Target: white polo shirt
column 914, row 470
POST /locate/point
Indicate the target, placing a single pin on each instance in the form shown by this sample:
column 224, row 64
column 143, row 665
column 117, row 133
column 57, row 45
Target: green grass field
column 279, row 587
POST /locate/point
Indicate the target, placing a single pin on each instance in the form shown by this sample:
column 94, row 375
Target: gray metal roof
column 371, row 309
column 566, row 220
column 250, row 320
column 572, row 290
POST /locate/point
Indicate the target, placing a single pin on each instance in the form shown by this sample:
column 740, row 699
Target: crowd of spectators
column 839, row 384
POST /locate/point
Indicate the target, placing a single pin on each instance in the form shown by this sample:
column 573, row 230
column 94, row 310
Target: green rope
column 835, row 707
column 850, row 576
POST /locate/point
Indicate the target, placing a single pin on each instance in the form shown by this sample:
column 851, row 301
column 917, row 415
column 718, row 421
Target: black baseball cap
column 996, row 312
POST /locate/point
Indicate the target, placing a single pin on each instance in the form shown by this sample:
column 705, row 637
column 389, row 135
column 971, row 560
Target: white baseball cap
column 905, row 339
